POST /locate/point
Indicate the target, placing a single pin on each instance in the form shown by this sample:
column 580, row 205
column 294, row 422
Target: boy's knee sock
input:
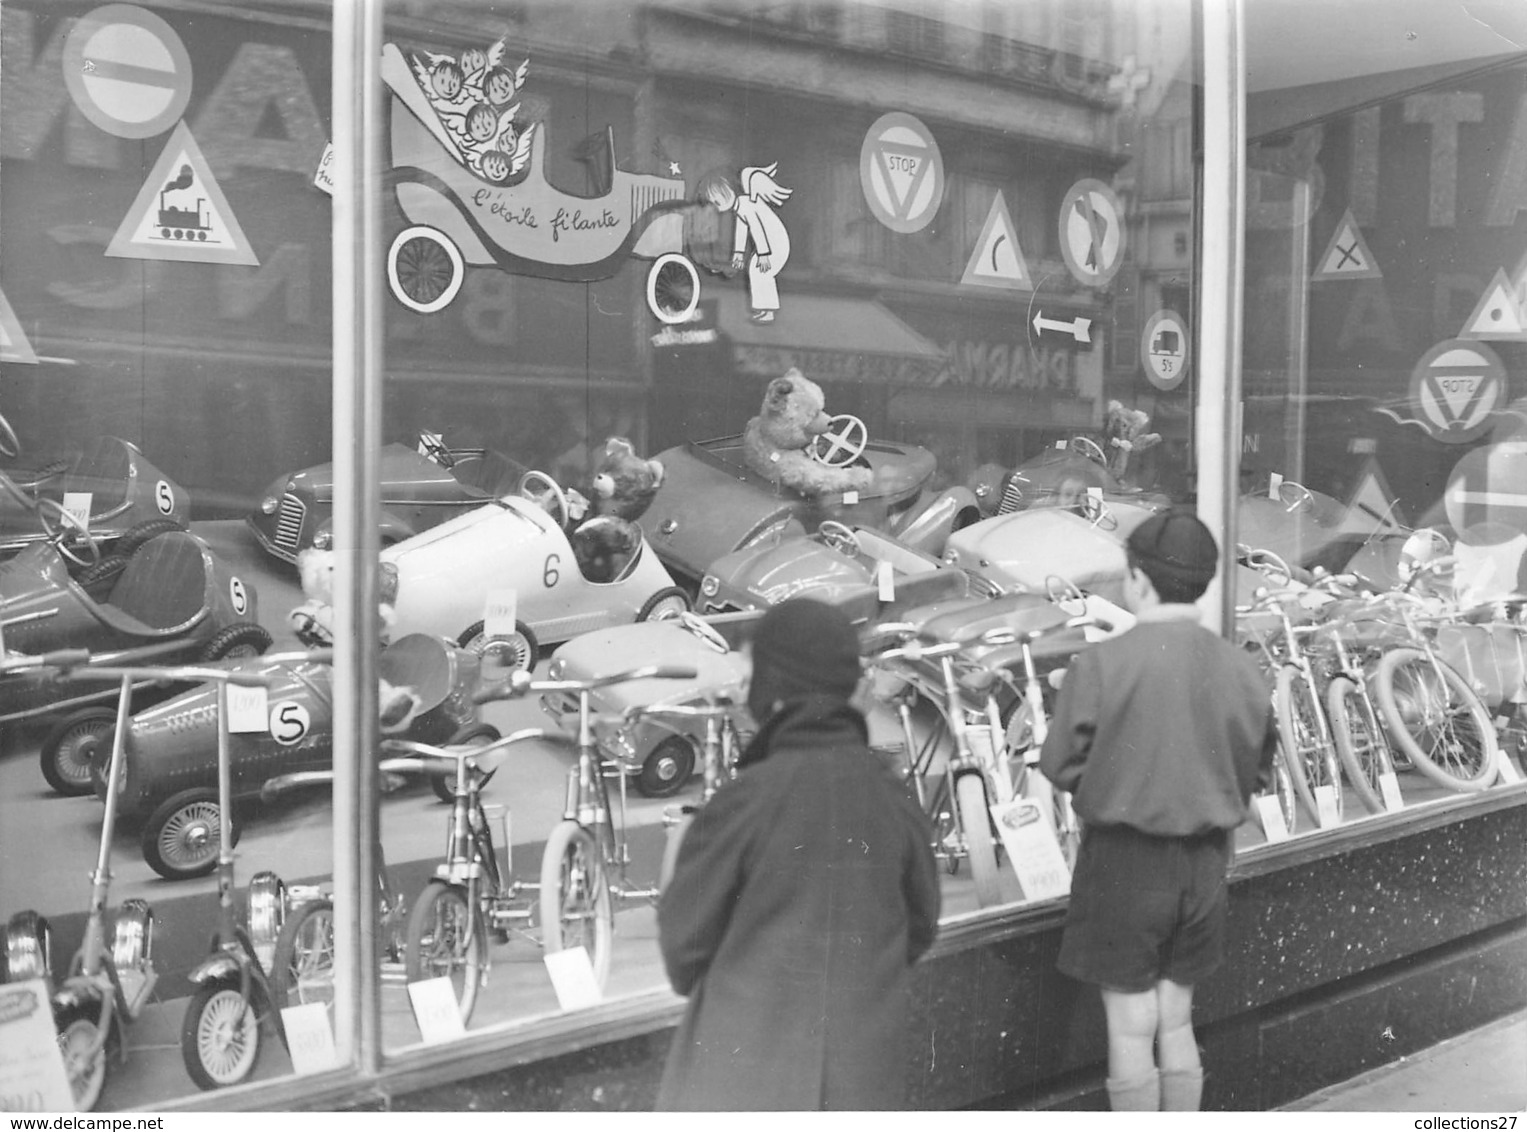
column 1181, row 1089
column 1135, row 1094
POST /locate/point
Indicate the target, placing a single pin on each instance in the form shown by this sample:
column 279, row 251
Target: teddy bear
column 619, row 494
column 777, row 442
column 313, row 622
column 1124, row 433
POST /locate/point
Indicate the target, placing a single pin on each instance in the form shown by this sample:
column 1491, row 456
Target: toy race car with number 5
column 172, row 590
column 169, row 778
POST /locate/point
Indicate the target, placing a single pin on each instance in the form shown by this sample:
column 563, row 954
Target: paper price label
column 499, row 613
column 436, row 1010
column 1389, row 790
column 1096, row 493
column 1325, row 803
column 850, row 498
column 1274, row 486
column 1060, row 445
column 1032, row 848
column 247, row 709
column 324, row 177
column 572, row 977
column 77, row 505
column 309, row 1038
column 885, row 581
column 1270, row 814
column 32, row 1073
column 1508, row 771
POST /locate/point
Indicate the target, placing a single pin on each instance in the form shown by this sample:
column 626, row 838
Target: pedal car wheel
column 514, row 652
column 68, row 748
column 673, row 288
column 665, row 603
column 425, row 269
column 180, row 839
column 220, row 1036
column 78, row 1028
column 665, row 771
column 233, row 642
column 474, row 734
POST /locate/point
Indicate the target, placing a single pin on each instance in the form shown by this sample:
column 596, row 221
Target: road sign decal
column 180, row 213
column 14, row 345
column 901, row 172
column 1164, row 349
column 997, row 260
column 1498, row 314
column 1092, row 232
column 1347, row 255
column 1486, row 494
column 1456, row 386
column 1373, row 509
column 127, row 71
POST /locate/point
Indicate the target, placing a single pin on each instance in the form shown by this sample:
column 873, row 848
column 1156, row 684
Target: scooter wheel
column 220, row 1035
column 78, row 1030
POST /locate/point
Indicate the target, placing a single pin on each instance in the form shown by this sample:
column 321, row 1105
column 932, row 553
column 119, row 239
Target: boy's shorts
column 1145, row 908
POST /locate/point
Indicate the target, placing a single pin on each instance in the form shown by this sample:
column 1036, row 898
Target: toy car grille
column 289, row 522
column 1012, row 497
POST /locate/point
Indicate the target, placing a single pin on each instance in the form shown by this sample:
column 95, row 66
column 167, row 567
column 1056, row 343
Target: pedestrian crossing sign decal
column 14, row 346
column 1347, row 255
column 180, row 213
column 997, row 260
column 1498, row 315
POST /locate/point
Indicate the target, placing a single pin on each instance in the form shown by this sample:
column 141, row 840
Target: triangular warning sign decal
column 1498, row 314
column 1372, row 510
column 1347, row 255
column 180, row 213
column 14, row 346
column 997, row 260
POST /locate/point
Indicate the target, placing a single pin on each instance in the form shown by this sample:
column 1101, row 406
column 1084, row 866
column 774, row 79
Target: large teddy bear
column 777, row 442
column 619, row 494
column 313, row 622
column 1124, row 433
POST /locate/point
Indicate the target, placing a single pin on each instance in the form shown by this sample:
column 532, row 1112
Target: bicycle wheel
column 980, row 845
column 575, row 897
column 302, row 968
column 1361, row 744
column 1437, row 719
column 1301, row 728
column 446, row 937
column 1055, row 805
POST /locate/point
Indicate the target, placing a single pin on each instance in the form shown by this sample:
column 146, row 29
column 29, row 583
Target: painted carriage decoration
column 471, row 181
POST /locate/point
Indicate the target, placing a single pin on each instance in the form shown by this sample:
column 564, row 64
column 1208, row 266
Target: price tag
column 1389, row 790
column 309, row 1038
column 1325, row 804
column 324, row 178
column 885, row 581
column 1060, row 445
column 32, row 1074
column 431, row 444
column 850, row 498
column 1270, row 814
column 1096, row 493
column 1031, row 846
column 77, row 504
column 1508, row 771
column 498, row 614
column 572, row 977
column 1274, row 485
column 436, row 1010
column 247, row 709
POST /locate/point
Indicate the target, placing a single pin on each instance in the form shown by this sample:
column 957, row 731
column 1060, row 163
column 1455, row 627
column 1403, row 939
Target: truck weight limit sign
column 127, row 71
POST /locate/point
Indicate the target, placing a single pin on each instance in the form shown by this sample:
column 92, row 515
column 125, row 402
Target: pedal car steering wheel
column 698, row 626
column 840, row 538
column 1268, row 562
column 550, row 491
column 1303, row 498
column 67, row 525
column 1096, row 512
column 842, row 443
column 1086, row 446
column 10, row 447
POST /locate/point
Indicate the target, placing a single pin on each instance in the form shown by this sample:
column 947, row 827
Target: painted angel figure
column 753, row 197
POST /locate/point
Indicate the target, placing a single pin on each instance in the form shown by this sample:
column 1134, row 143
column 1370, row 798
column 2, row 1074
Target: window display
column 688, row 312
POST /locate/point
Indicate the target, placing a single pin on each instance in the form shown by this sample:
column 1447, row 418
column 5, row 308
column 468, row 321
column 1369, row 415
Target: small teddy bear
column 620, row 493
column 313, row 622
column 777, row 442
column 1123, row 433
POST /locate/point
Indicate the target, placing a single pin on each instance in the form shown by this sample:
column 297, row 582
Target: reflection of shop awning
column 828, row 337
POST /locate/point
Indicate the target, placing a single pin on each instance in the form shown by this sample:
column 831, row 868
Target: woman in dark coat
column 802, row 895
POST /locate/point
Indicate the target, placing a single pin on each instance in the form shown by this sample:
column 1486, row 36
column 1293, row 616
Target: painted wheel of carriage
column 180, row 839
column 425, row 269
column 70, row 746
column 518, row 650
column 673, row 288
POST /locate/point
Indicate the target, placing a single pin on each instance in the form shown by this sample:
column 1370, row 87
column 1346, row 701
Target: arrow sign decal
column 1077, row 327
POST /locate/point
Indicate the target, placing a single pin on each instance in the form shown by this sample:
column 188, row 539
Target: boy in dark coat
column 802, row 895
column 1161, row 735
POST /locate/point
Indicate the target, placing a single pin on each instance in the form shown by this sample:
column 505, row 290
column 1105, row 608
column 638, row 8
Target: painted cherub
column 473, row 97
column 753, row 197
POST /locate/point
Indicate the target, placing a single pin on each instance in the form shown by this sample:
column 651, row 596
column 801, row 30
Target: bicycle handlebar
column 718, row 707
column 917, row 649
column 520, row 682
column 463, row 752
